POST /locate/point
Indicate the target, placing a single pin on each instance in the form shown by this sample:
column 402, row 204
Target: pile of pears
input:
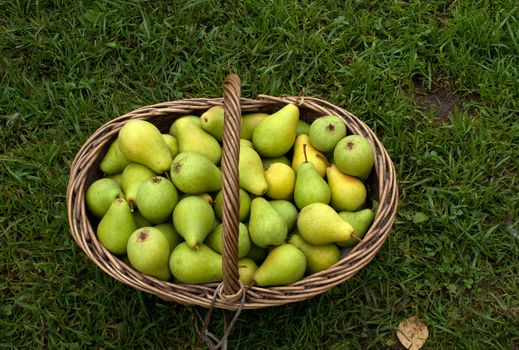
column 302, row 196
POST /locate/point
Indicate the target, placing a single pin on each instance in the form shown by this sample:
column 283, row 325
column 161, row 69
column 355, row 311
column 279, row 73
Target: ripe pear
column 244, row 205
column 140, row 141
column 275, row 135
column 148, row 252
column 168, row 229
column 101, row 194
column 302, row 146
column 246, row 143
column 287, row 210
column 172, row 144
column 267, row 226
column 360, row 221
column 192, row 138
column 113, row 161
column 173, row 128
column 280, row 181
column 248, row 124
column 116, row 177
column 194, row 173
column 318, row 257
column 156, row 199
column 282, row 159
column 195, row 266
column 283, row 265
column 140, row 221
column 251, row 175
column 194, row 219
column 354, row 155
column 116, row 226
column 246, row 269
column 320, row 224
column 348, row 192
column 302, row 127
column 310, row 187
column 326, row 131
column 134, row 175
column 215, row 240
column 256, row 254
column 212, row 122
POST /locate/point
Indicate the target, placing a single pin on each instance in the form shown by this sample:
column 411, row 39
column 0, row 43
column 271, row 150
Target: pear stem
column 356, row 237
column 304, row 152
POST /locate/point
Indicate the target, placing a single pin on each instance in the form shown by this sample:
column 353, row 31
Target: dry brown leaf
column 412, row 333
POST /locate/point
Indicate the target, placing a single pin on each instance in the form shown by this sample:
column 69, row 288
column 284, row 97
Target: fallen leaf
column 412, row 333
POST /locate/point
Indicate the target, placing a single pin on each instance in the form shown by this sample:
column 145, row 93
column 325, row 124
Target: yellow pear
column 320, row 224
column 312, row 154
column 348, row 192
column 280, row 181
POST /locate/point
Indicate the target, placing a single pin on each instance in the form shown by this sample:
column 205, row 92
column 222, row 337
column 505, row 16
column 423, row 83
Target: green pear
column 256, row 254
column 248, row 124
column 360, row 221
column 244, row 205
column 168, row 229
column 172, row 144
column 302, row 127
column 320, row 224
column 305, row 152
column 134, row 175
column 173, row 128
column 212, row 122
column 267, row 226
column 192, row 138
column 148, row 252
column 287, row 210
column 156, row 199
column 318, row 257
column 140, row 221
column 246, row 143
column 194, row 219
column 195, row 266
column 310, row 187
column 194, row 173
column 142, row 142
column 116, row 226
column 116, row 177
column 280, row 180
column 101, row 194
column 348, row 192
column 251, row 175
column 275, row 134
column 281, row 159
column 354, row 155
column 326, row 131
column 113, row 161
column 283, row 265
column 215, row 240
column 246, row 269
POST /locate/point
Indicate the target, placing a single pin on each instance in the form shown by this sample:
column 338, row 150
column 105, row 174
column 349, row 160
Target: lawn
column 437, row 81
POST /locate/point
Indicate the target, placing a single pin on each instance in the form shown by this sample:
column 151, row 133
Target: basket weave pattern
column 382, row 186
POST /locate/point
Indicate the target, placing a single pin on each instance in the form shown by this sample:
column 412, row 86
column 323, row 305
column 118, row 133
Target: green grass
column 67, row 68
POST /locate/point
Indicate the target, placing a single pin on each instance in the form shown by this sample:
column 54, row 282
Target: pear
column 246, row 143
column 310, row 187
column 360, row 221
column 215, row 240
column 148, row 252
column 168, row 229
column 248, row 124
column 287, row 210
column 194, row 219
column 326, row 131
column 195, row 266
column 302, row 127
column 251, row 175
column 256, row 254
column 172, row 144
column 320, row 224
column 283, row 265
column 281, row 159
column 101, row 194
column 244, row 205
column 134, row 175
column 212, row 122
column 156, row 199
column 266, row 226
column 318, row 257
column 246, row 269
column 192, row 138
column 140, row 141
column 354, row 155
column 280, row 180
column 303, row 146
column 348, row 192
column 116, row 177
column 113, row 161
column 275, row 135
column 116, row 226
column 140, row 221
column 173, row 128
column 194, row 173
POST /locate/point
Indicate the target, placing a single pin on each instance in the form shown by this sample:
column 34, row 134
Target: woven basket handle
column 231, row 288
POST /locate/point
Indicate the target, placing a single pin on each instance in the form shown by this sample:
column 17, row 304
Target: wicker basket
column 230, row 294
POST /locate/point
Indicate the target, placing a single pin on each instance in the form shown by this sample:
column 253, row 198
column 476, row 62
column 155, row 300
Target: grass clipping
column 412, row 333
